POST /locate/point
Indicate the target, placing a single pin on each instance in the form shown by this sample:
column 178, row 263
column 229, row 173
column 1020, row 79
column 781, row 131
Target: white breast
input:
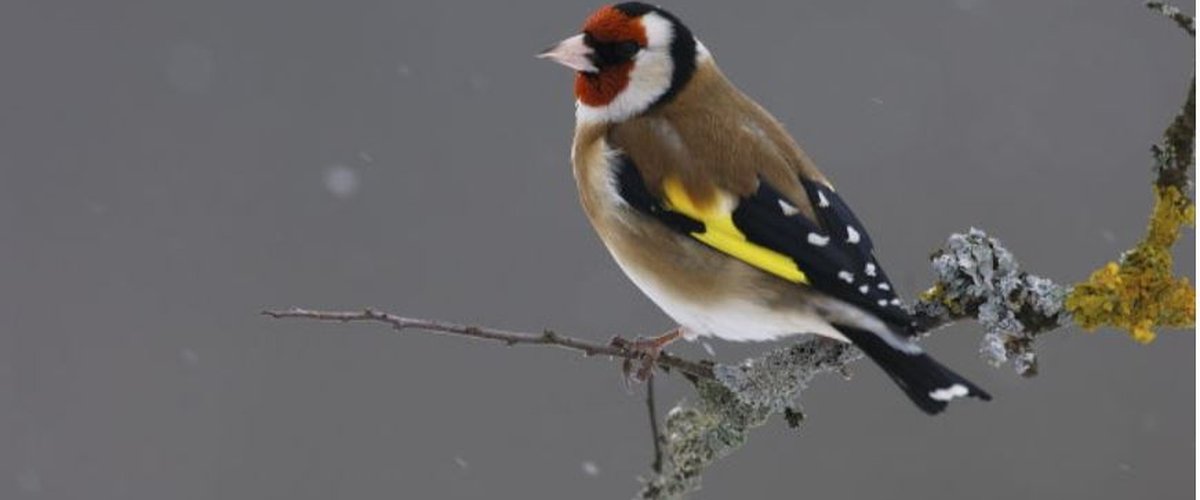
column 742, row 319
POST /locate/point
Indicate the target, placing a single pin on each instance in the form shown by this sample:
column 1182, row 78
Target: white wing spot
column 788, row 209
column 884, row 286
column 852, row 235
column 870, row 269
column 846, row 276
column 863, row 289
column 817, row 239
column 954, row 391
column 882, row 302
column 821, row 200
column 895, row 302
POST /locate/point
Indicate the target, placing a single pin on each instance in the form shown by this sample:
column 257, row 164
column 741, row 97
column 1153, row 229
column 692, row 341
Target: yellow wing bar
column 721, row 234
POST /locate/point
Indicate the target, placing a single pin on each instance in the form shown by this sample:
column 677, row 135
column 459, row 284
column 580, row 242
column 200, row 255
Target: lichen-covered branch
column 741, row 398
column 1172, row 12
column 978, row 278
column 1139, row 292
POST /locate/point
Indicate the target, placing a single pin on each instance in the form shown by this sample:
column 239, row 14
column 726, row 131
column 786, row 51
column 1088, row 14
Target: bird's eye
column 611, row 53
column 628, row 49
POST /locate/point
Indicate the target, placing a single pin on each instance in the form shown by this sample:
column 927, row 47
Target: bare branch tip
column 1175, row 14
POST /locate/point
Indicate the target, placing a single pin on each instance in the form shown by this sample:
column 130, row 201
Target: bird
column 713, row 210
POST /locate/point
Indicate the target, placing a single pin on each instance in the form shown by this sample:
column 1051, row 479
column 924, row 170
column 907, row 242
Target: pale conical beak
column 572, row 53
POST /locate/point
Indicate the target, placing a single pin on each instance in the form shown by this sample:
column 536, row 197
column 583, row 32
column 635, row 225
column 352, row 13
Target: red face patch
column 608, row 25
column 599, row 89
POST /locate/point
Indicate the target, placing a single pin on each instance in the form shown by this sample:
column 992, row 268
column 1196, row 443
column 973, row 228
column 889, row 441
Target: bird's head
column 628, row 58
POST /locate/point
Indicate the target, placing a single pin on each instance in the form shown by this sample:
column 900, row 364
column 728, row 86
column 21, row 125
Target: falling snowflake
column 29, row 481
column 189, row 357
column 341, row 181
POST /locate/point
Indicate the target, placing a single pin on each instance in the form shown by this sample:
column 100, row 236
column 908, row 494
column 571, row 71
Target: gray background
column 168, row 168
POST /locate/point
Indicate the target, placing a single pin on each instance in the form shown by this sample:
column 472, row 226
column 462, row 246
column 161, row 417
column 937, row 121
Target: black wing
column 834, row 253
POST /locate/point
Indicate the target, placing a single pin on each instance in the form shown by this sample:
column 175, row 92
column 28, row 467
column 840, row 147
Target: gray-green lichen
column 977, row 277
column 741, row 398
column 774, row 380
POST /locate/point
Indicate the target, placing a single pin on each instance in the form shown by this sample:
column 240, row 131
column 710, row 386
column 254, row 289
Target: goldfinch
column 714, row 211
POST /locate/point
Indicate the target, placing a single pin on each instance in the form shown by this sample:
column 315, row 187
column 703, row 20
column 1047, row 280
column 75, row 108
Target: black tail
column 929, row 384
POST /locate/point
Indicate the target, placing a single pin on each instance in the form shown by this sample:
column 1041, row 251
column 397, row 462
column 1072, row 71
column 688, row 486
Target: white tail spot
column 954, row 391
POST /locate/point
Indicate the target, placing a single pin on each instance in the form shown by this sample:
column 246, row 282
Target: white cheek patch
column 649, row 79
column 659, row 32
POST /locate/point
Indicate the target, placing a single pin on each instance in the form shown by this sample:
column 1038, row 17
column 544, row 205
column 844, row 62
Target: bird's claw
column 648, row 351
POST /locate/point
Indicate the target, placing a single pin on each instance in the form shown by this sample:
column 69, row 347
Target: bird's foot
column 648, row 351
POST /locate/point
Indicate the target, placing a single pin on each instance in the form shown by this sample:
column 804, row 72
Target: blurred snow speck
column 403, row 70
column 190, row 68
column 590, row 468
column 189, row 356
column 29, row 481
column 1108, row 236
column 462, row 464
column 479, row 83
column 709, row 348
column 366, row 157
column 341, row 181
column 876, row 100
column 97, row 208
column 1149, row 422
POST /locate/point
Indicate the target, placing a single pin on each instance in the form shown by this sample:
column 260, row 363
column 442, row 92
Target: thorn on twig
column 793, row 416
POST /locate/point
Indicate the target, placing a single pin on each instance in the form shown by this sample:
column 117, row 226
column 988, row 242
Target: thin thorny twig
column 656, row 465
column 618, row 347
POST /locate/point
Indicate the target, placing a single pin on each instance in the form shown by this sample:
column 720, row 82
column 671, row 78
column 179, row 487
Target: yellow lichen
column 1141, row 292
